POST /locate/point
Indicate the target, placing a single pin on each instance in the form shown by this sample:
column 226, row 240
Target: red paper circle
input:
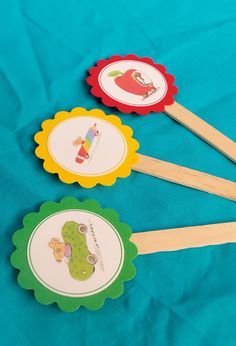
column 158, row 106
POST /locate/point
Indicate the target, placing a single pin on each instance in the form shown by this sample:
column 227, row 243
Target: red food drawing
column 133, row 82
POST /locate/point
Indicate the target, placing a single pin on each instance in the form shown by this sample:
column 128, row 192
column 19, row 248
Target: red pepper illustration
column 133, row 82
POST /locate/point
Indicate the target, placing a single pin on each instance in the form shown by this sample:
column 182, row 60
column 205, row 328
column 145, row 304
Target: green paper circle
column 44, row 295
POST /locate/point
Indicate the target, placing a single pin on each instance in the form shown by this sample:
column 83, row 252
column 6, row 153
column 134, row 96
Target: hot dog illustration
column 85, row 144
column 74, row 248
column 133, row 82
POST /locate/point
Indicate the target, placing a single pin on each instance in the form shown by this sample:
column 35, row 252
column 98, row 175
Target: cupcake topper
column 89, row 147
column 77, row 254
column 139, row 85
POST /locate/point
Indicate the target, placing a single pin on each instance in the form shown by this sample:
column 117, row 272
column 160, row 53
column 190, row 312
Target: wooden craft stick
column 183, row 238
column 202, row 129
column 187, row 177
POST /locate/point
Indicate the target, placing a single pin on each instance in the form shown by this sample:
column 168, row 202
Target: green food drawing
column 74, row 248
column 62, row 250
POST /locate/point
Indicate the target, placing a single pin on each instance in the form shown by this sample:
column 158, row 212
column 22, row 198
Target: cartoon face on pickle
column 74, row 248
column 134, row 82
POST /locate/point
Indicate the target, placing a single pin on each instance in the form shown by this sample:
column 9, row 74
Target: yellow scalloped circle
column 86, row 181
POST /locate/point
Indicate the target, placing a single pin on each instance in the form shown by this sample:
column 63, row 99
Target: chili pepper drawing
column 133, row 82
column 85, row 144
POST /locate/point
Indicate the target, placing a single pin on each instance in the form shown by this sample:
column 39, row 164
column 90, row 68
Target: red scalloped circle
column 97, row 91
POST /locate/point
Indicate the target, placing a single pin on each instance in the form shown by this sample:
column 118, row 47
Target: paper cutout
column 132, row 84
column 139, row 85
column 78, row 254
column 90, row 147
column 87, row 147
column 74, row 253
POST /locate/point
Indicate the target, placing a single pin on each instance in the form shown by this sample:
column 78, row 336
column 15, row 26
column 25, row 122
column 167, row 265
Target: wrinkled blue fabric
column 186, row 297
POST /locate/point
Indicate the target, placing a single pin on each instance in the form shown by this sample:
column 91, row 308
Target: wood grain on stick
column 183, row 238
column 202, row 129
column 186, row 176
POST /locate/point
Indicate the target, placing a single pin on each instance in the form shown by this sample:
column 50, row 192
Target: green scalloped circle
column 43, row 295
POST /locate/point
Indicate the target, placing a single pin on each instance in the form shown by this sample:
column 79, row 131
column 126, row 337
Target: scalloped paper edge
column 65, row 176
column 43, row 295
column 97, row 91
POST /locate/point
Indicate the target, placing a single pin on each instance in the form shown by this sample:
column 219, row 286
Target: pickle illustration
column 74, row 248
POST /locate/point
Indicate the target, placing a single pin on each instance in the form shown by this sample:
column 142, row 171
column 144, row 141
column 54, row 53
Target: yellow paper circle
column 81, row 145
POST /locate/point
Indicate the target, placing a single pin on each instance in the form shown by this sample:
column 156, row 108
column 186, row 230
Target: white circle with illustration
column 87, row 146
column 75, row 253
column 134, row 83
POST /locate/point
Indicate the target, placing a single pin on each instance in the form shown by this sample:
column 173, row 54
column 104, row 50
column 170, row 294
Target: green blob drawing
column 81, row 262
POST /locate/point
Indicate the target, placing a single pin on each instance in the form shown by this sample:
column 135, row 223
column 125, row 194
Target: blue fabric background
column 182, row 298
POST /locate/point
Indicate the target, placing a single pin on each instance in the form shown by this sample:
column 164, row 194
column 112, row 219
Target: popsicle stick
column 202, row 129
column 187, row 177
column 183, row 238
